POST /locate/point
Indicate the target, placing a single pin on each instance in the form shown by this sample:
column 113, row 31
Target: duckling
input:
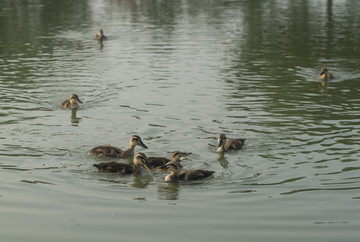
column 71, row 103
column 160, row 161
column 231, row 144
column 177, row 174
column 100, row 35
column 111, row 151
column 325, row 74
column 139, row 161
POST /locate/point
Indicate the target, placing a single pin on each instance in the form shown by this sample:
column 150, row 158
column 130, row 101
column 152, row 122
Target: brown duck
column 177, row 174
column 139, row 161
column 225, row 145
column 100, row 35
column 112, row 151
column 325, row 74
column 71, row 103
column 155, row 162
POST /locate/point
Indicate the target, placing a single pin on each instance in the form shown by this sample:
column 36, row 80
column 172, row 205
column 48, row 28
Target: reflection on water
column 142, row 180
column 74, row 119
column 178, row 73
column 168, row 191
column 222, row 160
column 100, row 44
column 323, row 86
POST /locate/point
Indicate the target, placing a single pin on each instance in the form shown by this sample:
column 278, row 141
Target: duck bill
column 142, row 145
column 162, row 168
column 78, row 100
column 183, row 156
column 322, row 73
column 147, row 166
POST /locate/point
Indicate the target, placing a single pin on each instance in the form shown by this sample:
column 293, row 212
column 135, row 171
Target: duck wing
column 234, row 144
column 189, row 175
column 157, row 161
column 115, row 167
column 106, row 150
column 66, row 104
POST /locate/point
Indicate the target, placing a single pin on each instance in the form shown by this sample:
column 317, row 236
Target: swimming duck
column 112, row 151
column 139, row 161
column 160, row 161
column 325, row 74
column 71, row 103
column 232, row 144
column 100, row 35
column 177, row 174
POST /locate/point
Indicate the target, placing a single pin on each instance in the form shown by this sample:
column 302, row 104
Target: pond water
column 177, row 73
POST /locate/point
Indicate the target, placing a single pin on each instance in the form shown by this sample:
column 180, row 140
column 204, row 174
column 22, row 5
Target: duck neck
column 73, row 104
column 173, row 176
column 129, row 151
column 221, row 148
column 136, row 168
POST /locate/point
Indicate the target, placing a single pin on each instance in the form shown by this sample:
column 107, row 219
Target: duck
column 225, row 145
column 177, row 174
column 325, row 74
column 100, row 35
column 175, row 156
column 112, row 151
column 72, row 103
column 139, row 161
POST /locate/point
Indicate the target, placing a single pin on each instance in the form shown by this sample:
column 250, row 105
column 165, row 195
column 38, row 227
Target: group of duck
column 173, row 164
column 140, row 161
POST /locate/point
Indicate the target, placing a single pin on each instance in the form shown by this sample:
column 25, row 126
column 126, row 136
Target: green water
column 177, row 73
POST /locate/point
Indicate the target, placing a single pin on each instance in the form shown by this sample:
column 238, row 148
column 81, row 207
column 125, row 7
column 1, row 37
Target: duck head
column 179, row 156
column 172, row 166
column 221, row 140
column 75, row 99
column 136, row 140
column 140, row 159
column 324, row 70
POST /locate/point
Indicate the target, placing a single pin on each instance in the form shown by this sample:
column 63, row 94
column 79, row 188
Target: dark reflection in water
column 142, row 180
column 222, row 160
column 100, row 44
column 168, row 191
column 74, row 119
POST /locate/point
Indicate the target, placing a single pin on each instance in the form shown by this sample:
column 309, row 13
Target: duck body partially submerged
column 225, row 144
column 160, row 161
column 115, row 152
column 177, row 174
column 72, row 102
column 139, row 161
column 325, row 74
column 100, row 35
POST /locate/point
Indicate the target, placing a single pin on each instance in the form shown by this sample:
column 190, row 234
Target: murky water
column 177, row 73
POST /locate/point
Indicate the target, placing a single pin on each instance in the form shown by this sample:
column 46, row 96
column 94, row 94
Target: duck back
column 194, row 174
column 234, row 144
column 115, row 167
column 157, row 161
column 106, row 150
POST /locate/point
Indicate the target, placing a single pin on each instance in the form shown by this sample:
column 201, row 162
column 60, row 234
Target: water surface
column 177, row 73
